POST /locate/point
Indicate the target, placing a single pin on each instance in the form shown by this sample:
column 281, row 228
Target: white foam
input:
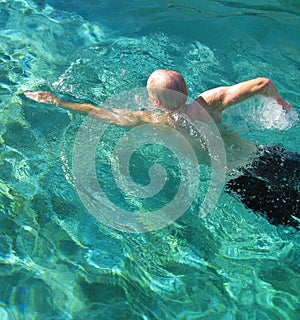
column 270, row 115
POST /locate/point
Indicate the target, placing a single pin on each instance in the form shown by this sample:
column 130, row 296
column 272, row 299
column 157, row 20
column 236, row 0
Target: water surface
column 57, row 261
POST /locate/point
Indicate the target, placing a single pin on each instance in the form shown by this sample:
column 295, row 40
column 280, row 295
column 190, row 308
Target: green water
column 56, row 260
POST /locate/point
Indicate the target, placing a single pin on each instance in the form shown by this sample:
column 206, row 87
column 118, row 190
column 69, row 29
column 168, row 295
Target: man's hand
column 43, row 97
column 271, row 91
column 284, row 104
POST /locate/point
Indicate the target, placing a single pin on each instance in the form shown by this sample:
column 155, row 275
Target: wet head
column 167, row 89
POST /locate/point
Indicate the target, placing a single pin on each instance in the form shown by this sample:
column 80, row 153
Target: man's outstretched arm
column 221, row 98
column 119, row 117
column 50, row 98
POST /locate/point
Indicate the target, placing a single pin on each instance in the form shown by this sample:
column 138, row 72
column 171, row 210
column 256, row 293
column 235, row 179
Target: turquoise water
column 56, row 260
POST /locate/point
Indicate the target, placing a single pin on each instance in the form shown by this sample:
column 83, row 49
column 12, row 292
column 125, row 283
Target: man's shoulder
column 200, row 110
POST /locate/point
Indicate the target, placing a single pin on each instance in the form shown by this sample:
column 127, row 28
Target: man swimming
column 167, row 90
column 162, row 86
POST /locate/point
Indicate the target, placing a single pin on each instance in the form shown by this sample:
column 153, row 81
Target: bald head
column 167, row 88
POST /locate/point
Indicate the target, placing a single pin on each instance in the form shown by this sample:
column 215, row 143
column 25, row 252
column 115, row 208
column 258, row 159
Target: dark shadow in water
column 271, row 186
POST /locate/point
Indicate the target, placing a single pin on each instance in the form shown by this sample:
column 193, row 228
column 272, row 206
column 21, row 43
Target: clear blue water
column 56, row 260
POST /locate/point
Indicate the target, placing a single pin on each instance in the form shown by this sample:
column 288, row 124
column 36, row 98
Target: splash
column 270, row 115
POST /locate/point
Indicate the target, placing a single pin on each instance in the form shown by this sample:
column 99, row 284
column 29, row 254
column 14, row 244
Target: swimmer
column 167, row 90
column 259, row 185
